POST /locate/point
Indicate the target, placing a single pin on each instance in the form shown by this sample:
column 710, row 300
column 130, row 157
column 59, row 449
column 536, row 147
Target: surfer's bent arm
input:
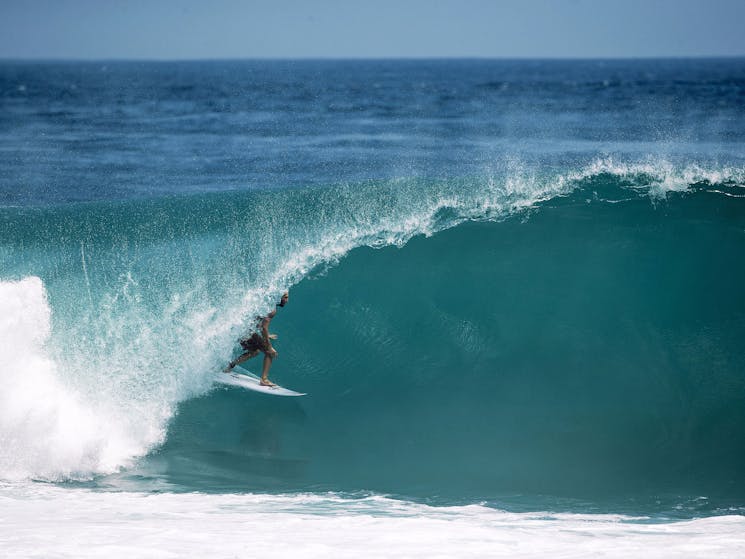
column 265, row 325
column 271, row 352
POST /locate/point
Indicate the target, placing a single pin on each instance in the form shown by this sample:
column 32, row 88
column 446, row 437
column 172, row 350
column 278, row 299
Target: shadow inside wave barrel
column 592, row 350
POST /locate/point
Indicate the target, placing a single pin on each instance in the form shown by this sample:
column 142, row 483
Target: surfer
column 260, row 341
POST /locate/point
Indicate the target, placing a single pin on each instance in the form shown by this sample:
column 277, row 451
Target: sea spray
column 152, row 305
column 47, row 430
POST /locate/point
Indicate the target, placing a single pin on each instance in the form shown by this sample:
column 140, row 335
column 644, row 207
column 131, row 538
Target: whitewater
column 90, row 524
column 516, row 308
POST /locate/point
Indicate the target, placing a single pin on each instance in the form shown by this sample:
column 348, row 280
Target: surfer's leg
column 241, row 358
column 265, row 371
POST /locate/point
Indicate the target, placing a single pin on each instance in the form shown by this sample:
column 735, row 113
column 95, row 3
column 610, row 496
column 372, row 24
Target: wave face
column 590, row 348
column 577, row 334
column 507, row 278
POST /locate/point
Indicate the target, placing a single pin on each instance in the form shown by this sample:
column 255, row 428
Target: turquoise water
column 513, row 285
column 586, row 347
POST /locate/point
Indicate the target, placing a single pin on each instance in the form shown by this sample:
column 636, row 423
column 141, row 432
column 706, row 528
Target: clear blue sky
column 191, row 29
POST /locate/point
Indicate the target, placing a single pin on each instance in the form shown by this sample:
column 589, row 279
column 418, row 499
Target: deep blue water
column 517, row 282
column 114, row 130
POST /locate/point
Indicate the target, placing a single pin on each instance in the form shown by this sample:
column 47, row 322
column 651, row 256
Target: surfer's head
column 284, row 299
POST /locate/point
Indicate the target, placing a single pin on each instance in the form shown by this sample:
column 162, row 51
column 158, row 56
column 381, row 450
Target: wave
column 592, row 350
column 146, row 299
column 47, row 430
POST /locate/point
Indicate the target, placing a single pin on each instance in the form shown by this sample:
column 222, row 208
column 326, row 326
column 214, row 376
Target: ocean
column 516, row 305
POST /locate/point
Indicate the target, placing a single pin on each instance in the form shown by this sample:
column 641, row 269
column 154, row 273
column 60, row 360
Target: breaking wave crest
column 113, row 313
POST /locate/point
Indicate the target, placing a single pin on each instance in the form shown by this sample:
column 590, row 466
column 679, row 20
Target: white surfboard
column 241, row 377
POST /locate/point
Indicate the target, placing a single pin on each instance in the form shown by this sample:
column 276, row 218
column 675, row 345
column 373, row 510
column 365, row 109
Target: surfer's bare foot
column 266, row 382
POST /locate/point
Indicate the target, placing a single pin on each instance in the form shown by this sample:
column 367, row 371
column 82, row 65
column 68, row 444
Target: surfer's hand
column 272, row 352
column 272, row 336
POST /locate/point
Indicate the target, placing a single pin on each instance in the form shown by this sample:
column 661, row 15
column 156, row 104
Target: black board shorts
column 253, row 343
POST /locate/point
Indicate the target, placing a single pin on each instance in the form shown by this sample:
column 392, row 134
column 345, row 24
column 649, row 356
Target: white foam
column 46, row 429
column 662, row 176
column 47, row 521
